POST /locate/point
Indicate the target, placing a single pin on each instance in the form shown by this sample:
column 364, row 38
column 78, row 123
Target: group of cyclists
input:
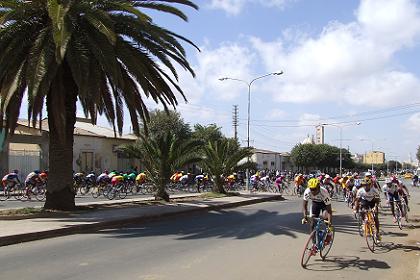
column 34, row 184
column 362, row 193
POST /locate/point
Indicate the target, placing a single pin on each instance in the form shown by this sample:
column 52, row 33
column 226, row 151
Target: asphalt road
column 262, row 241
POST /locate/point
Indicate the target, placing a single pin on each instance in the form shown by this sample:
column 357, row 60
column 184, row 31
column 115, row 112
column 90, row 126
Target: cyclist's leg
column 317, row 208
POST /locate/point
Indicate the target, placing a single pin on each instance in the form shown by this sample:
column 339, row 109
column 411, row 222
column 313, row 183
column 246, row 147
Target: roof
column 262, row 151
column 84, row 128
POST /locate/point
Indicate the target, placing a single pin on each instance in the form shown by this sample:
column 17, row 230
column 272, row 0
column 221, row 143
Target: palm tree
column 221, row 158
column 162, row 155
column 104, row 53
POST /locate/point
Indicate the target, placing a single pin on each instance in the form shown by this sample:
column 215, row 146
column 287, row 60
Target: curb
column 75, row 229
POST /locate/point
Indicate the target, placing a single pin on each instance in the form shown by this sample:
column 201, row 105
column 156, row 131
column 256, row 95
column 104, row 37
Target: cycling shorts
column 365, row 204
column 317, row 208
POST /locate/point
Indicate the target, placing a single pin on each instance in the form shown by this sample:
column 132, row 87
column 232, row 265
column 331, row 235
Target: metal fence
column 24, row 161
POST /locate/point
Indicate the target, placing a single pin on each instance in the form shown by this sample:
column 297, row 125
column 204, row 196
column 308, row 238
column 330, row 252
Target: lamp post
column 341, row 141
column 249, row 84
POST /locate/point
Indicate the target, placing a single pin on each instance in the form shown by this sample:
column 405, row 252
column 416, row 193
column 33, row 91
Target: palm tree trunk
column 219, row 188
column 161, row 193
column 61, row 106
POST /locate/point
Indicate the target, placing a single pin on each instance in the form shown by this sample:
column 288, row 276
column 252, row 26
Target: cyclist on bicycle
column 328, row 184
column 279, row 182
column 415, row 180
column 299, row 183
column 321, row 201
column 31, row 181
column 395, row 190
column 11, row 180
column 141, row 178
column 321, row 204
column 103, row 178
column 368, row 197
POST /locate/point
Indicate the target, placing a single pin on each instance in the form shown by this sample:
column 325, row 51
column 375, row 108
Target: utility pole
column 235, row 121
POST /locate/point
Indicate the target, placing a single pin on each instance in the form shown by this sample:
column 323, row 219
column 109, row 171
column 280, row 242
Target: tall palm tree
column 162, row 155
column 106, row 53
column 221, row 158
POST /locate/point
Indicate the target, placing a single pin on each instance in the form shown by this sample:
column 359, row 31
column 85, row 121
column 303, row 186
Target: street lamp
column 341, row 140
column 249, row 84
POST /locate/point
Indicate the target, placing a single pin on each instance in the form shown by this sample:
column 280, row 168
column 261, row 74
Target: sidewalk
column 50, row 225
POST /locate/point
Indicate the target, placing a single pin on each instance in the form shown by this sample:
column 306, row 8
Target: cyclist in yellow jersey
column 141, row 178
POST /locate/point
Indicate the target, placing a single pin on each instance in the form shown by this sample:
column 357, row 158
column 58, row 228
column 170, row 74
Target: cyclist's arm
column 329, row 213
column 305, row 208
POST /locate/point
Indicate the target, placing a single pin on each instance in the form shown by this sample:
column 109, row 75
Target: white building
column 271, row 160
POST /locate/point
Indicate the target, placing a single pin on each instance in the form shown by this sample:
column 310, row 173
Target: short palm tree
column 162, row 155
column 221, row 158
column 104, row 53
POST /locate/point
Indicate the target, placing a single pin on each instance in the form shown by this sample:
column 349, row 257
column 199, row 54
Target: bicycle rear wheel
column 307, row 251
column 327, row 247
column 4, row 193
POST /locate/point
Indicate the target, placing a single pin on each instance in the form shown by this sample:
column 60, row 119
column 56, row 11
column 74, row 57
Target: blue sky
column 343, row 62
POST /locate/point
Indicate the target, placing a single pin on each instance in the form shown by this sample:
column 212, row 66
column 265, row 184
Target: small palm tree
column 221, row 158
column 161, row 156
column 105, row 53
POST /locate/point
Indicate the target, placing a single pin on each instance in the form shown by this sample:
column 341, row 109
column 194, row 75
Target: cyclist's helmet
column 36, row 172
column 367, row 182
column 388, row 181
column 313, row 183
column 368, row 174
column 15, row 171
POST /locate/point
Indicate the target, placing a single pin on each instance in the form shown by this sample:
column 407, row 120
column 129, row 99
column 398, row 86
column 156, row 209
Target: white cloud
column 413, row 122
column 350, row 63
column 235, row 7
column 276, row 114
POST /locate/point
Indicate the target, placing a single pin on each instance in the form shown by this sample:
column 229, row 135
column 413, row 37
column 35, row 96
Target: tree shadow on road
column 334, row 263
column 229, row 224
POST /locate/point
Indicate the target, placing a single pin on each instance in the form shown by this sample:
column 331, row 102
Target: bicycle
column 322, row 244
column 401, row 211
column 369, row 229
column 17, row 191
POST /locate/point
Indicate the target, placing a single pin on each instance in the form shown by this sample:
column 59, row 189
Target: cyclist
column 103, row 178
column 11, row 180
column 299, row 182
column 321, row 202
column 402, row 189
column 368, row 197
column 31, row 181
column 328, row 184
column 141, row 178
column 415, row 180
column 280, row 182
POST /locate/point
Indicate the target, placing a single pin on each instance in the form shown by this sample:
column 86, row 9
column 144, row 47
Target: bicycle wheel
column 405, row 211
column 370, row 236
column 4, row 193
column 398, row 215
column 307, row 251
column 122, row 192
column 40, row 194
column 327, row 246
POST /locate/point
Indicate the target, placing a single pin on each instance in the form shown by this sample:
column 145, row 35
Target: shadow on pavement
column 343, row 262
column 229, row 224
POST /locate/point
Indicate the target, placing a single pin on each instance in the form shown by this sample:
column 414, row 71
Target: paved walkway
column 47, row 225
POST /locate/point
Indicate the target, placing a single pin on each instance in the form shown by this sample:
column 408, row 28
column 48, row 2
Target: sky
column 344, row 62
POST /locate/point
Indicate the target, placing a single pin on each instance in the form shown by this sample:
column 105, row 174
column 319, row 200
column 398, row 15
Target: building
column 308, row 140
column 357, row 158
column 270, row 160
column 95, row 148
column 374, row 157
column 319, row 136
